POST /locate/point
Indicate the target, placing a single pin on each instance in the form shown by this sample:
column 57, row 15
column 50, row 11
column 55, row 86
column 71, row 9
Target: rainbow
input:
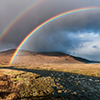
column 47, row 22
column 16, row 18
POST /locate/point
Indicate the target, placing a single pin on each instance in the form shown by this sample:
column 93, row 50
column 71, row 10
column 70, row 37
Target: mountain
column 29, row 57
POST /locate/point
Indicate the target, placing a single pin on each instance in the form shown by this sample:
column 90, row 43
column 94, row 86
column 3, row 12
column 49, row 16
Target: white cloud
column 88, row 45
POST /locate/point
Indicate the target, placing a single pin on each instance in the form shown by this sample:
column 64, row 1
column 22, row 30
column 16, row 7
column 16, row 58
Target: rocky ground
column 69, row 86
column 16, row 85
column 74, row 86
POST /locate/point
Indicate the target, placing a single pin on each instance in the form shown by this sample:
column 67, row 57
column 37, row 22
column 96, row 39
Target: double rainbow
column 45, row 23
column 19, row 15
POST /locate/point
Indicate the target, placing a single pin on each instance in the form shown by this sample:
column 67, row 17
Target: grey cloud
column 55, row 35
column 96, row 47
column 7, row 46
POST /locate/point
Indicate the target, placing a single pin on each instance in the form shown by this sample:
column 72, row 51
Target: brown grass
column 84, row 69
column 59, row 63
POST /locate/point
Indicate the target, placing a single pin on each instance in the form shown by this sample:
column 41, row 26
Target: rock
column 59, row 91
column 74, row 93
column 3, row 83
column 58, row 87
column 11, row 96
column 76, row 83
column 20, row 84
column 58, row 78
column 83, row 90
column 69, row 80
column 58, row 84
column 69, row 91
column 65, row 91
column 89, row 84
column 61, row 86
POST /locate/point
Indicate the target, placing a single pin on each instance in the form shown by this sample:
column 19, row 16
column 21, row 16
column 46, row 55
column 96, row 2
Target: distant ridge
column 63, row 54
column 7, row 52
column 22, row 52
column 44, row 57
column 52, row 53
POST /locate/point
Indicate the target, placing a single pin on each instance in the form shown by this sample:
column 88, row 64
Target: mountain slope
column 28, row 57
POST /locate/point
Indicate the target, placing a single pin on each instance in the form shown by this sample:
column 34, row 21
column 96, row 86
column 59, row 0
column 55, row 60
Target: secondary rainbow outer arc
column 15, row 19
column 45, row 23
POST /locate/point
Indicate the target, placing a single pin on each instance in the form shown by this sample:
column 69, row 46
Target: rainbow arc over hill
column 47, row 22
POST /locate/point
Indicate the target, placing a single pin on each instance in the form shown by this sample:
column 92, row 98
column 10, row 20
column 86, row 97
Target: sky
column 77, row 34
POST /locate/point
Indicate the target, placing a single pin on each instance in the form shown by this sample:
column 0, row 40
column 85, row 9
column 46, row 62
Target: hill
column 30, row 57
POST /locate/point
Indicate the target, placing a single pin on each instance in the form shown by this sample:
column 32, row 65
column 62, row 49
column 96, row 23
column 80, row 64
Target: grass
column 74, row 70
column 16, row 79
column 37, row 67
column 83, row 69
column 15, row 72
column 51, row 69
column 98, row 73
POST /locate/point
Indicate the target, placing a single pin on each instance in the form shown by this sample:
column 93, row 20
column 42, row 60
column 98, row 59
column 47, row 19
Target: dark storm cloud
column 60, row 35
column 6, row 46
column 37, row 15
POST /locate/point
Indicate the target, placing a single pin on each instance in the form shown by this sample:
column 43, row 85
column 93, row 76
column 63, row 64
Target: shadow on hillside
column 70, row 86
